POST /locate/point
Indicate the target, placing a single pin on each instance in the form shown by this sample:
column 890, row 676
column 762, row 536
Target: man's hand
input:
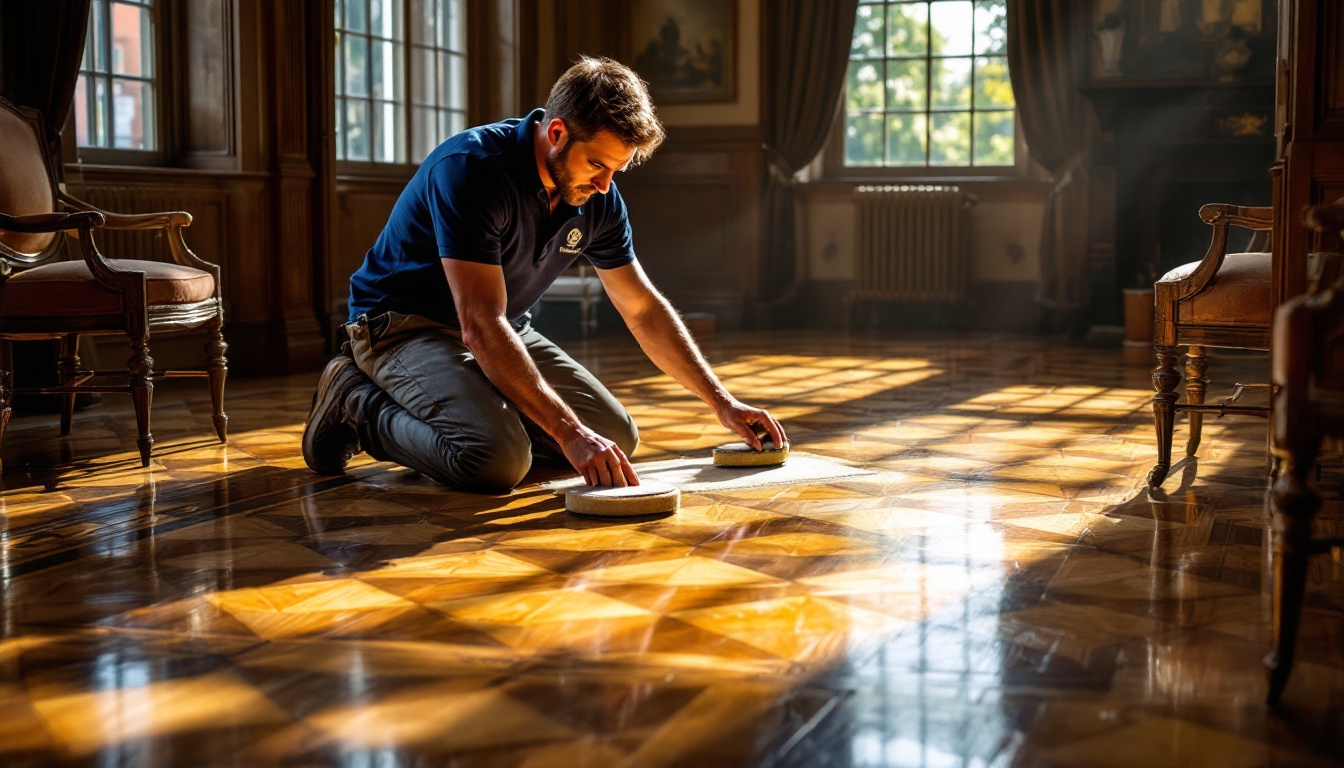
column 742, row 418
column 480, row 297
column 599, row 460
column 664, row 338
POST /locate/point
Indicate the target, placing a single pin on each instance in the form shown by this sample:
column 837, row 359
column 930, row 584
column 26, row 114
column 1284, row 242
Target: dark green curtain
column 41, row 43
column 1047, row 59
column 807, row 55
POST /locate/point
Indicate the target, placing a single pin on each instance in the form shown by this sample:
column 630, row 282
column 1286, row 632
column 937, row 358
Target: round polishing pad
column 743, row 455
column 648, row 498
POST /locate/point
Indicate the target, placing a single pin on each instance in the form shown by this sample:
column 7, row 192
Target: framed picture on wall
column 1202, row 18
column 685, row 49
column 1202, row 39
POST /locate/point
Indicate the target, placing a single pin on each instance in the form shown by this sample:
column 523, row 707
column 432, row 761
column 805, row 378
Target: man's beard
column 571, row 193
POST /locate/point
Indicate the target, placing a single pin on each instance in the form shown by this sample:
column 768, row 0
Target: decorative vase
column 1111, row 42
column 1230, row 57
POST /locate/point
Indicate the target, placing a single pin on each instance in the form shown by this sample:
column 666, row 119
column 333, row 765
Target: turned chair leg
column 6, row 385
column 67, row 370
column 1165, row 379
column 1293, row 504
column 218, row 366
column 1195, row 387
column 141, row 366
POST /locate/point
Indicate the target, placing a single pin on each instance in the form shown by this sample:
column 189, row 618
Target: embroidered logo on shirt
column 572, row 239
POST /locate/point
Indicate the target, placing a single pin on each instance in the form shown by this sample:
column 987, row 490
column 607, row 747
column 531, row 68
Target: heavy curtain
column 807, row 55
column 1047, row 59
column 41, row 42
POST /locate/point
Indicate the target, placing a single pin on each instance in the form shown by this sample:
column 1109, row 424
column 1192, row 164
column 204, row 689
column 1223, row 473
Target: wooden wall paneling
column 695, row 210
column 1310, row 166
column 1292, row 170
column 591, row 27
column 290, row 338
column 502, row 59
column 246, row 280
column 529, row 32
column 362, row 206
column 290, row 81
column 208, row 83
column 322, row 154
column 547, row 44
column 296, row 259
column 250, row 90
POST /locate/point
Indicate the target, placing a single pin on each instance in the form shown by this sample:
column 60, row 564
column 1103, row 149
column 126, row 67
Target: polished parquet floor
column 1004, row 591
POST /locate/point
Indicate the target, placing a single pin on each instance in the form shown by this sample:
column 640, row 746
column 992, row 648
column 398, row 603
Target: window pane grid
column 115, row 103
column 439, row 65
column 369, row 81
column 381, row 112
column 928, row 85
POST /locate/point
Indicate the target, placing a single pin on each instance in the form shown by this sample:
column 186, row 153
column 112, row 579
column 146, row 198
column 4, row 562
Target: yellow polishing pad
column 648, row 498
column 743, row 455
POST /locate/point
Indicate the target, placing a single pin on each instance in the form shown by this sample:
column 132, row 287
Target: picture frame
column 1201, row 19
column 685, row 49
column 1199, row 39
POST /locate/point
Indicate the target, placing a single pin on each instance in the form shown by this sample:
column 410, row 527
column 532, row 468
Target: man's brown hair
column 598, row 94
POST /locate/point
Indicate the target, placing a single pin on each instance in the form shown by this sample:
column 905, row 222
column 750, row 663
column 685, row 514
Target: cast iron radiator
column 912, row 243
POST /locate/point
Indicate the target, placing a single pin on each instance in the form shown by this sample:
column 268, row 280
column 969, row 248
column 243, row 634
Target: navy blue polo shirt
column 478, row 197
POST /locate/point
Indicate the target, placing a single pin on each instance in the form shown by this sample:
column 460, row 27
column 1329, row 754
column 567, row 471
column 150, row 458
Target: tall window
column 438, row 59
column 374, row 119
column 928, row 85
column 114, row 98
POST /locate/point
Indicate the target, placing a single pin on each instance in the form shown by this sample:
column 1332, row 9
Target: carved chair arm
column 1247, row 217
column 162, row 220
column 84, row 223
column 1220, row 216
column 170, row 221
column 51, row 222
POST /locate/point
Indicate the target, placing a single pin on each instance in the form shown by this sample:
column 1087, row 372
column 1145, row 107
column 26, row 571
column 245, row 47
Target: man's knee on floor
column 498, row 466
column 624, row 433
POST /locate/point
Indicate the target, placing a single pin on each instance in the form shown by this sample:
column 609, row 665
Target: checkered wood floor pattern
column 1003, row 591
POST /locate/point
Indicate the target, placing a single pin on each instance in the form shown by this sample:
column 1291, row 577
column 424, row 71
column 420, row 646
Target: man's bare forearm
column 505, row 361
column 664, row 338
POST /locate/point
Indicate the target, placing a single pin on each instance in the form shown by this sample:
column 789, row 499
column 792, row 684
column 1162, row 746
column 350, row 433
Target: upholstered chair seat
column 1238, row 295
column 69, row 288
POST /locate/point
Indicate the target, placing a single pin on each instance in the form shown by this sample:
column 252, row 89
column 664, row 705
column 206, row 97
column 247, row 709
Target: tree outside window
column 928, row 85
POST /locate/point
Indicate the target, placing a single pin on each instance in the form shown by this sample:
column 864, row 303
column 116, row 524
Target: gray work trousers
column 431, row 408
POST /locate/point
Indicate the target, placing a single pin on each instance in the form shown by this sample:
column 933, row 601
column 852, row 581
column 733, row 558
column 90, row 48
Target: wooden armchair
column 1308, row 377
column 44, row 297
column 1223, row 300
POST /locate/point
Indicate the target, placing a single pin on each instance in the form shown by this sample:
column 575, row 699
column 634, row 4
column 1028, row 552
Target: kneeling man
column 445, row 374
